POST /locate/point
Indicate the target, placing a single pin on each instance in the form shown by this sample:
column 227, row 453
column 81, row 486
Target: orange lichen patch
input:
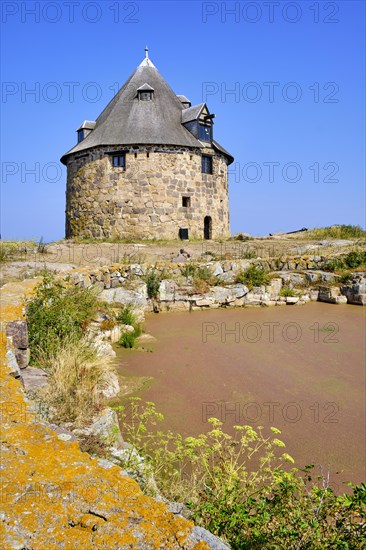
column 53, row 495
column 12, row 300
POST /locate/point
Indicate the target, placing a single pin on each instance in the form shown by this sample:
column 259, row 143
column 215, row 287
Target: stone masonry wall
column 144, row 200
column 126, row 284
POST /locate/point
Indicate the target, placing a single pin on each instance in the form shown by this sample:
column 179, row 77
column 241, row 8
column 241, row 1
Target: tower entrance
column 207, row 227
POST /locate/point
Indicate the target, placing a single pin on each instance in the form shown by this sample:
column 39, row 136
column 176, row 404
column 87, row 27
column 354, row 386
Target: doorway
column 207, row 227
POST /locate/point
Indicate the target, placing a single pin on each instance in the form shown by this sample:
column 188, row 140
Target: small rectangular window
column 80, row 135
column 206, row 164
column 119, row 161
column 186, row 202
column 145, row 96
column 204, row 132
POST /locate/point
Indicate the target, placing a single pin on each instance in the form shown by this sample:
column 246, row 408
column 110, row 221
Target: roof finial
column 146, row 52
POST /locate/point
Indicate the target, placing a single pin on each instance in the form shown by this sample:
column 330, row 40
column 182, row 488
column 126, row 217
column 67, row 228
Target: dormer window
column 145, row 92
column 199, row 122
column 184, row 101
column 204, row 132
column 85, row 129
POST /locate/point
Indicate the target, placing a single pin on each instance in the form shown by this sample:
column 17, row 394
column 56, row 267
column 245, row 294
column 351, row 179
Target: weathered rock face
column 104, row 426
column 34, row 379
column 145, row 199
column 17, row 331
column 122, row 296
column 331, row 295
column 14, row 369
column 356, row 290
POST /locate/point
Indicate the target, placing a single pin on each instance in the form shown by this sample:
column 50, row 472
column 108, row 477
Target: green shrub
column 203, row 279
column 57, row 314
column 128, row 340
column 355, row 259
column 291, row 511
column 253, row 276
column 346, row 277
column 351, row 260
column 152, row 280
column 335, row 264
column 199, row 274
column 58, row 317
column 126, row 316
column 238, row 486
column 204, row 274
column 285, row 291
column 188, row 270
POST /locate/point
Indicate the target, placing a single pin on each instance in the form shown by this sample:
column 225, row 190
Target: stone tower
column 148, row 167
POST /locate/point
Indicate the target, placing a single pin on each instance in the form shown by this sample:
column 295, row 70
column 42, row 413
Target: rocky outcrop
column 105, row 427
column 332, row 295
column 355, row 290
column 121, row 296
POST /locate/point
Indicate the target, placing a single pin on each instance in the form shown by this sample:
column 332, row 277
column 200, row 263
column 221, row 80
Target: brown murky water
column 299, row 368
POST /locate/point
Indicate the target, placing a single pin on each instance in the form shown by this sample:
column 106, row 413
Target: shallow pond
column 299, row 368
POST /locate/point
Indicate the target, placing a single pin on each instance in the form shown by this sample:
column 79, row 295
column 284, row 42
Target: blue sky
column 285, row 80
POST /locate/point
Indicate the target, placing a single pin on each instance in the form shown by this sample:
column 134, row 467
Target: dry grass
column 332, row 232
column 200, row 286
column 77, row 376
column 15, row 250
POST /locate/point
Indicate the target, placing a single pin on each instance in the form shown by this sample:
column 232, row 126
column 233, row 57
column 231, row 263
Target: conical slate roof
column 127, row 121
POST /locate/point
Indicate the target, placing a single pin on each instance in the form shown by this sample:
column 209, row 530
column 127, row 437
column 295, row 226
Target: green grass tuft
column 253, row 276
